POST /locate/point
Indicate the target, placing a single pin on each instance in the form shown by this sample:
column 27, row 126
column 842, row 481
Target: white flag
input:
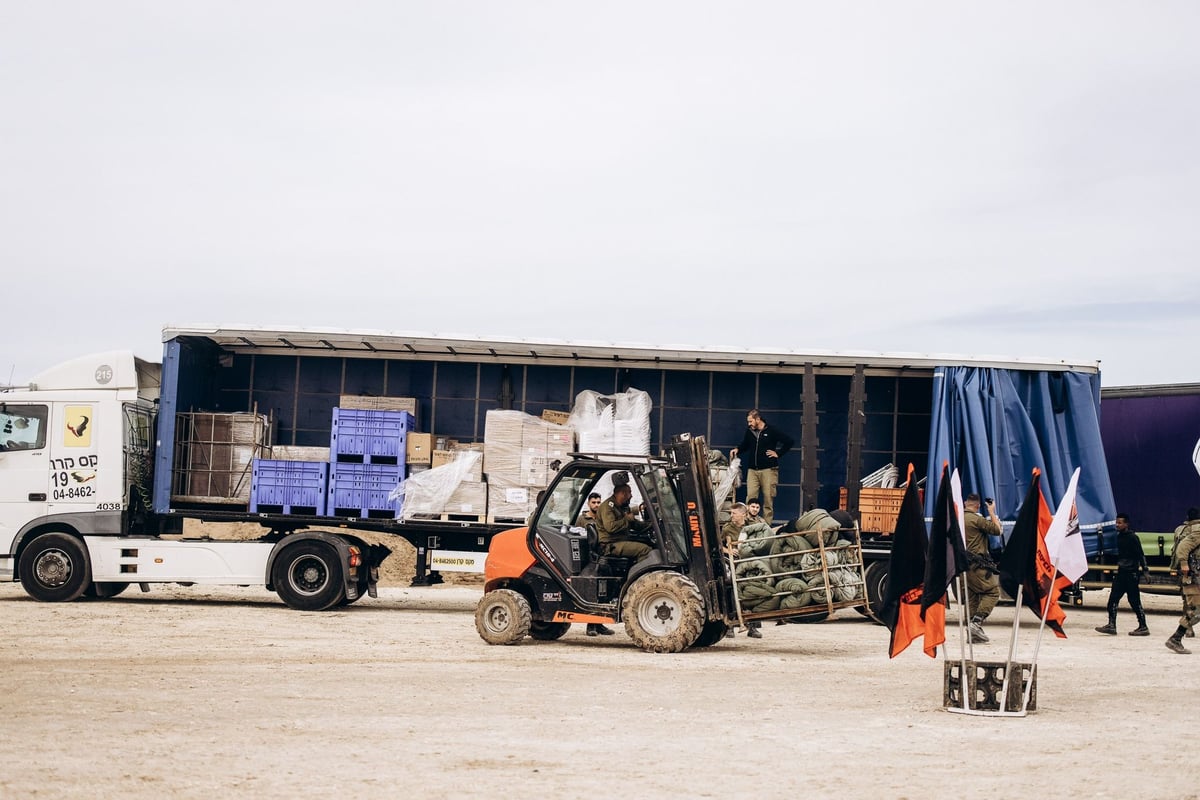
column 1064, row 541
column 956, row 493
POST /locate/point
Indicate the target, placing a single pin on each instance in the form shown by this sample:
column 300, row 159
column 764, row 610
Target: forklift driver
column 618, row 528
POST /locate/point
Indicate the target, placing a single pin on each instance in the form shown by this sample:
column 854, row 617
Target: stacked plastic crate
column 366, row 451
column 288, row 487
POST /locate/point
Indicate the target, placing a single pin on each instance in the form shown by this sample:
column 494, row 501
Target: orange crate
column 878, row 508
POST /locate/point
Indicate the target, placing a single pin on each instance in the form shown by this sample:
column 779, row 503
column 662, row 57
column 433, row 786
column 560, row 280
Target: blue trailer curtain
column 996, row 425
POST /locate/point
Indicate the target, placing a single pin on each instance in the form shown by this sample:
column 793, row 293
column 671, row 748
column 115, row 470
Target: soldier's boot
column 596, row 629
column 752, row 631
column 1175, row 643
column 1111, row 627
column 976, row 630
column 1141, row 629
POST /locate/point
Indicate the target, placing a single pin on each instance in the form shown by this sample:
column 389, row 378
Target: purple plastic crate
column 361, row 490
column 362, row 436
column 288, row 487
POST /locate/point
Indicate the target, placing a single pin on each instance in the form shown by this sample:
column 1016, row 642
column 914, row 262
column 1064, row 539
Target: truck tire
column 548, row 631
column 55, row 568
column 308, row 576
column 664, row 612
column 712, row 632
column 503, row 617
column 876, row 575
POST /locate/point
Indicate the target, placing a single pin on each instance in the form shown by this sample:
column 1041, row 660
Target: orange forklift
column 542, row 578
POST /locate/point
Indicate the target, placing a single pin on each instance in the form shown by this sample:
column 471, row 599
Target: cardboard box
column 469, row 497
column 295, row 452
column 556, row 417
column 418, row 448
column 369, row 403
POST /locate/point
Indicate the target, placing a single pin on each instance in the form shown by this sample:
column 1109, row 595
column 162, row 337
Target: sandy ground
column 195, row 692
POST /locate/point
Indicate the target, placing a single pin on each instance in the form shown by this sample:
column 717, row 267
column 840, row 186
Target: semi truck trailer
column 101, row 477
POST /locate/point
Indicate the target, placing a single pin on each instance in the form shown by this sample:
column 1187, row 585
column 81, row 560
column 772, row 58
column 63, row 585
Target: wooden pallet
column 449, row 517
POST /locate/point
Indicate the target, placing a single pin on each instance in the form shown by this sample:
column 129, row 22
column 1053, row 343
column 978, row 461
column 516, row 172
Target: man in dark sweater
column 760, row 451
column 1131, row 563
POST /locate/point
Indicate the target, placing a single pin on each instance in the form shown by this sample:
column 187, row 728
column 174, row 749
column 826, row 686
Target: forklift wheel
column 503, row 617
column 548, row 631
column 664, row 612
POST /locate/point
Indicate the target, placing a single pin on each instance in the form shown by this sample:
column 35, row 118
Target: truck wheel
column 103, row 590
column 55, row 568
column 713, row 632
column 548, row 631
column 503, row 617
column 664, row 612
column 876, row 576
column 308, row 576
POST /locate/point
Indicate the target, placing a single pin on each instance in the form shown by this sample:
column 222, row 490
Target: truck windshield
column 660, row 493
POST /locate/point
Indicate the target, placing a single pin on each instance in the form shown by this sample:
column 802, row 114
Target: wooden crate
column 878, row 508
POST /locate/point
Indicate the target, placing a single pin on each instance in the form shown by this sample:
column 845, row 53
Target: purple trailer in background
column 1150, row 435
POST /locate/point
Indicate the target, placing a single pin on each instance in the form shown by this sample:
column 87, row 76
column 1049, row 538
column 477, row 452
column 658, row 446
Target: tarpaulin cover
column 995, row 425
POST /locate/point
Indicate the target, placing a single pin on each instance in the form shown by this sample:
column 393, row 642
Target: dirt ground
column 202, row 693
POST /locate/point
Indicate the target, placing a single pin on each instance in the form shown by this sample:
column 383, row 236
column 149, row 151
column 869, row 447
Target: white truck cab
column 75, row 448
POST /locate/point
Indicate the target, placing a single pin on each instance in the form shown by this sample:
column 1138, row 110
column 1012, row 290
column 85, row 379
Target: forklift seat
column 605, row 565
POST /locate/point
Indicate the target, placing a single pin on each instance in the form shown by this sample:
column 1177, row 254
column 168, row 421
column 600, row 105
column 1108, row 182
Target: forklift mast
column 706, row 565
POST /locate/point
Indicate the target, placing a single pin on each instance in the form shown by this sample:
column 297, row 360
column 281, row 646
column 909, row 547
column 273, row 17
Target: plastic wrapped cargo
column 612, row 423
column 433, row 491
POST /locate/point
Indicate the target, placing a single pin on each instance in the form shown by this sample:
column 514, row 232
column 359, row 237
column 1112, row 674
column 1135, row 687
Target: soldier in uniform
column 616, row 526
column 754, row 511
column 730, row 534
column 588, row 517
column 1186, row 558
column 983, row 585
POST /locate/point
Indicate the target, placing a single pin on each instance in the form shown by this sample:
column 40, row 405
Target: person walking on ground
column 761, row 448
column 1131, row 565
column 983, row 584
column 1191, row 633
column 1187, row 557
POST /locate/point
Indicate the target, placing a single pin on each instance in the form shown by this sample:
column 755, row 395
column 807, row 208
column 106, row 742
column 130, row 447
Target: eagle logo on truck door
column 78, row 427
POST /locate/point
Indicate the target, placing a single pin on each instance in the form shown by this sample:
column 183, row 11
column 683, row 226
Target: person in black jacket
column 760, row 450
column 1131, row 563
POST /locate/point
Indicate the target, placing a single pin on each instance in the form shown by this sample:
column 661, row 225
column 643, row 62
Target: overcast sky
column 1015, row 179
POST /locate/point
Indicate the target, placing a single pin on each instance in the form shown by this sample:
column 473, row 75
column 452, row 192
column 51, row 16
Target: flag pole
column 963, row 637
column 1012, row 647
column 1038, row 642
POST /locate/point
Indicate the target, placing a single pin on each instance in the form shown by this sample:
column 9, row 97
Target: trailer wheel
column 876, row 575
column 503, row 617
column 308, row 576
column 664, row 612
column 54, row 568
column 548, row 631
column 713, row 632
column 102, row 590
